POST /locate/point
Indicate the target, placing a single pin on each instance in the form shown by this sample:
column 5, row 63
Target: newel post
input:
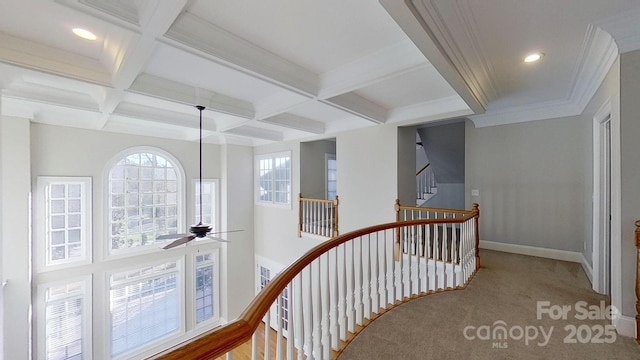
column 299, row 214
column 396, row 245
column 476, row 209
column 336, row 229
column 638, row 282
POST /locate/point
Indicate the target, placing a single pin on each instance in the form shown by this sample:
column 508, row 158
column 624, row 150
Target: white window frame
column 272, row 157
column 215, row 208
column 328, row 157
column 87, row 313
column 181, row 196
column 180, row 288
column 215, row 262
column 41, row 246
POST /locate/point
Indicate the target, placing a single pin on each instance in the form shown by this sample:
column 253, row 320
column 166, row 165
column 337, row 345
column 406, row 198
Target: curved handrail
column 225, row 338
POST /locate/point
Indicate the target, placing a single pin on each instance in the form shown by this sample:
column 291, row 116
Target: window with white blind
column 209, row 201
column 206, row 278
column 145, row 305
column 273, row 180
column 64, row 227
column 66, row 329
column 332, row 176
column 144, row 193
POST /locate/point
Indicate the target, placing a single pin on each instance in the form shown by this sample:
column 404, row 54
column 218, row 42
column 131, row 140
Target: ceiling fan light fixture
column 84, row 34
column 533, row 57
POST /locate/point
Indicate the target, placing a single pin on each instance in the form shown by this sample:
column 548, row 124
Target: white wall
column 14, row 236
column 406, row 171
column 367, row 176
column 237, row 209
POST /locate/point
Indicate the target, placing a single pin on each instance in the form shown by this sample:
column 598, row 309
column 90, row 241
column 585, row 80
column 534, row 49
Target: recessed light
column 85, row 34
column 533, row 57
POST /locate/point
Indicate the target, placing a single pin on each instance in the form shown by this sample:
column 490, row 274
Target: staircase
column 426, row 186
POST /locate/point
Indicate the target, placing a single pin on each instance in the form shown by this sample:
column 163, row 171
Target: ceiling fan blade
column 217, row 238
column 179, row 242
column 171, row 236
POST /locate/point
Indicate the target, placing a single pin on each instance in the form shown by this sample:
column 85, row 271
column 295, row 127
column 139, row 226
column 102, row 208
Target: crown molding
column 53, row 96
column 233, row 51
column 519, row 114
column 598, row 53
column 161, row 88
column 624, row 29
column 416, row 113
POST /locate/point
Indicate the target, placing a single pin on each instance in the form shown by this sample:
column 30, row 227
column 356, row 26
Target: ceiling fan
column 199, row 230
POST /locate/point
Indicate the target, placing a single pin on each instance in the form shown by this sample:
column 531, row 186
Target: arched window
column 145, row 188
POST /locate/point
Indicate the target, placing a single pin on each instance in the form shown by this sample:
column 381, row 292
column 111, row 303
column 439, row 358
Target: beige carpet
column 507, row 288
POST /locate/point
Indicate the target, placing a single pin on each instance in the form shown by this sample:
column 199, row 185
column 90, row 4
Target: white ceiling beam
column 164, row 116
column 36, row 56
column 384, row 64
column 154, row 86
column 255, row 132
column 296, row 122
column 358, row 106
column 414, row 24
column 231, row 50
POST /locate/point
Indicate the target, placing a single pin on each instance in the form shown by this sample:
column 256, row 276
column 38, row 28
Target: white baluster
column 326, row 306
column 352, row 289
column 267, row 336
column 309, row 323
column 300, row 318
column 279, row 334
column 335, row 311
column 317, row 313
column 385, row 271
column 376, row 281
column 367, row 299
column 254, row 345
column 359, row 286
column 291, row 329
column 343, row 294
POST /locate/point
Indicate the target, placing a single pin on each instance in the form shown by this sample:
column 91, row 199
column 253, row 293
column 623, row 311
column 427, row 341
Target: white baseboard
column 532, row 251
column 625, row 325
column 587, row 268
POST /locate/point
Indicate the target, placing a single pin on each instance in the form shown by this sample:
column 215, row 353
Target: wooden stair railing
column 318, row 216
column 444, row 238
column 335, row 289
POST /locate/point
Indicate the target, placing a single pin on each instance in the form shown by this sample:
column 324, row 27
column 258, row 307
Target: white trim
column 587, row 268
column 256, row 179
column 108, row 253
column 40, row 245
column 625, row 325
column 87, row 315
column 563, row 255
column 601, row 116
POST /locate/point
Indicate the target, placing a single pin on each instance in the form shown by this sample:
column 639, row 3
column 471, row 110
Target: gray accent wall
column 630, row 172
column 313, row 167
column 532, row 182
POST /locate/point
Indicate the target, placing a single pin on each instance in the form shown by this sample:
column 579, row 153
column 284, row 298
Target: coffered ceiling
column 290, row 69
